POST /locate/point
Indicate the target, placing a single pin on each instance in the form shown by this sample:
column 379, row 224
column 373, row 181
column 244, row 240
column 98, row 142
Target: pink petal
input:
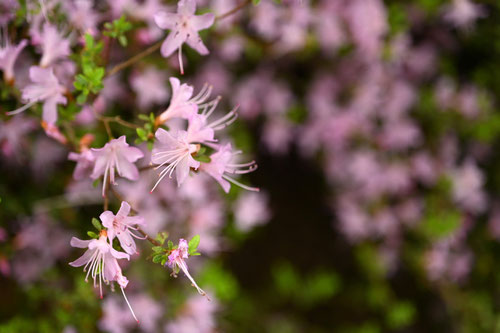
column 133, row 154
column 124, row 209
column 119, row 255
column 76, row 242
column 173, row 42
column 196, row 43
column 186, row 7
column 165, row 20
column 83, row 259
column 126, row 169
column 200, row 22
column 107, row 218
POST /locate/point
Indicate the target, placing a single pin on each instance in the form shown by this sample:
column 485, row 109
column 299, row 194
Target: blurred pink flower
column 250, row 210
column 196, row 315
column 8, row 57
column 468, row 181
column 184, row 26
column 54, row 46
column 84, row 163
column 463, row 13
column 121, row 226
column 116, row 154
column 149, row 87
column 45, row 88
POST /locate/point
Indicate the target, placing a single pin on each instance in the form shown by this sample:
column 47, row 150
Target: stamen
column 130, row 307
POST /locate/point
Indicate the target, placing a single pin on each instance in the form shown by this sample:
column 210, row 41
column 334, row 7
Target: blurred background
column 375, row 127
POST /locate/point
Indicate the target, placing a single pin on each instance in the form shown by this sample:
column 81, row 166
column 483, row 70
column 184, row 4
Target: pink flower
column 175, row 154
column 182, row 104
column 53, row 132
column 45, row 88
column 222, row 164
column 120, row 226
column 84, row 163
column 8, row 57
column 199, row 130
column 184, row 26
column 116, row 154
column 149, row 87
column 101, row 261
column 463, row 13
column 251, row 210
column 54, row 46
column 176, row 262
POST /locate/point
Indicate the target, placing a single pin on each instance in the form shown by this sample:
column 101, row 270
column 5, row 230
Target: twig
column 135, row 58
column 234, row 10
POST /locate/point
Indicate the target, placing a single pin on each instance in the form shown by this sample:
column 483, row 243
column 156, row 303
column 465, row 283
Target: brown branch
column 234, row 10
column 135, row 58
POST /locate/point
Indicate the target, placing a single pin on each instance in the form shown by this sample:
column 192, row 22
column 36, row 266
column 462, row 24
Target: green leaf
column 193, row 244
column 81, row 99
column 158, row 249
column 96, row 182
column 122, row 40
column 96, row 223
column 142, row 134
column 202, row 158
column 442, row 223
column 170, row 245
column 161, row 237
column 92, row 234
column 255, row 2
column 143, row 117
column 158, row 257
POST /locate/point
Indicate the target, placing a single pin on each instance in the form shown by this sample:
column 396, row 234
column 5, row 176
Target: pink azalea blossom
column 184, row 26
column 251, row 209
column 174, row 152
column 53, row 132
column 46, row 88
column 116, row 154
column 463, row 13
column 84, row 163
column 201, row 131
column 149, row 87
column 222, row 164
column 54, row 46
column 182, row 104
column 176, row 262
column 8, row 57
column 101, row 261
column 121, row 226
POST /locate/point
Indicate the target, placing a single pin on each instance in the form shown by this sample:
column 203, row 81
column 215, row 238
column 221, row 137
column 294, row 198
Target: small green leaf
column 91, row 234
column 158, row 249
column 193, row 244
column 158, row 257
column 142, row 134
column 96, row 224
column 123, row 40
column 81, row 99
column 96, row 182
column 202, row 158
column 170, row 245
column 143, row 117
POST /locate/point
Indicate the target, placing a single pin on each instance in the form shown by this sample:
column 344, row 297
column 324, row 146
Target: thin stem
column 135, row 58
column 234, row 10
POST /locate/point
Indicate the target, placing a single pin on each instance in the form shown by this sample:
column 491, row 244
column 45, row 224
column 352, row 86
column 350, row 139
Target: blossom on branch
column 116, row 154
column 184, row 26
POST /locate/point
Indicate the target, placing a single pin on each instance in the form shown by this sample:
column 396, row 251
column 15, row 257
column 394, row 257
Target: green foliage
column 146, row 133
column 90, row 80
column 193, row 246
column 220, row 280
column 400, row 315
column 97, row 224
column 117, row 30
